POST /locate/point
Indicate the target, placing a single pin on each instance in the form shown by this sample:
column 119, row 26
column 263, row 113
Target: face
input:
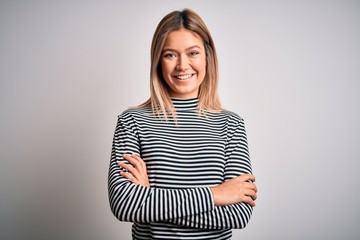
column 183, row 62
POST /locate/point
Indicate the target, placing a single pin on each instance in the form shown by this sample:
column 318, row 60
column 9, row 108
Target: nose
column 183, row 63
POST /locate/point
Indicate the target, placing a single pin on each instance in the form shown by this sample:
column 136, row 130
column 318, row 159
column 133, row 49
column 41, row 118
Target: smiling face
column 183, row 62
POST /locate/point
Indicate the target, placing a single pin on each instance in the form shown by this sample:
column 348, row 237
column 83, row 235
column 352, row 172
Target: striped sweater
column 183, row 160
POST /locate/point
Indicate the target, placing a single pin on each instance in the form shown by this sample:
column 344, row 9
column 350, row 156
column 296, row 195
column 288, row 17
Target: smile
column 183, row 77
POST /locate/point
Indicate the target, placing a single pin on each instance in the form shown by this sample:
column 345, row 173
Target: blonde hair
column 160, row 100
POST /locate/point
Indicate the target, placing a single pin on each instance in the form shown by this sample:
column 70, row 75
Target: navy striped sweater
column 183, row 160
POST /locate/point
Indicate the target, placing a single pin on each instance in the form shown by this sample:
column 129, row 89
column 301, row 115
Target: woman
column 180, row 166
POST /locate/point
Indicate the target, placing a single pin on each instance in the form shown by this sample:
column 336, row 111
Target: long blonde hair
column 160, row 100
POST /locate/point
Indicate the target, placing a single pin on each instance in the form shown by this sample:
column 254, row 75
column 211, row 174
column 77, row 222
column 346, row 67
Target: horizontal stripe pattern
column 184, row 159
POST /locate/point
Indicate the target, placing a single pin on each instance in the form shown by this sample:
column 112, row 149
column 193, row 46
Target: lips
column 183, row 76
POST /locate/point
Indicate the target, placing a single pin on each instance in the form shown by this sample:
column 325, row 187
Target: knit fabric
column 184, row 159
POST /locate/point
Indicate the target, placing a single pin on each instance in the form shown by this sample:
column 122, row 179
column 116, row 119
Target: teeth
column 183, row 77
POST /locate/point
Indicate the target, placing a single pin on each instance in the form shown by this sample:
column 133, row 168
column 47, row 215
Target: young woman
column 180, row 166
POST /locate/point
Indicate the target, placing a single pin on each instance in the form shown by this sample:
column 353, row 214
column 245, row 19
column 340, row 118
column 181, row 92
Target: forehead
column 182, row 38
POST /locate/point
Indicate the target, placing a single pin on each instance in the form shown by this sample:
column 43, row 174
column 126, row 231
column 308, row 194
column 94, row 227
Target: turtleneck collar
column 185, row 103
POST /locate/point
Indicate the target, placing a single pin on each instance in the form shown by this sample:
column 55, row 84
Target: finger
column 131, row 159
column 250, row 185
column 131, row 169
column 128, row 157
column 137, row 163
column 249, row 177
column 138, row 158
column 142, row 165
column 251, row 193
column 137, row 167
column 130, row 177
column 255, row 188
column 246, row 178
column 249, row 201
column 253, row 178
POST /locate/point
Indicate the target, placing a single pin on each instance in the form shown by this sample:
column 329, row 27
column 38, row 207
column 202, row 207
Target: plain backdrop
column 291, row 69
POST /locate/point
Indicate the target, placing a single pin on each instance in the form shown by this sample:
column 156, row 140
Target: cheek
column 163, row 71
column 202, row 65
column 202, row 70
column 166, row 68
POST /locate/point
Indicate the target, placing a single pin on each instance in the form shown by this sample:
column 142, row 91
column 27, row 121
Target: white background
column 291, row 69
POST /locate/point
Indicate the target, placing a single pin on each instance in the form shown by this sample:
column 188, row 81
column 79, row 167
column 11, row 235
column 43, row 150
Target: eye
column 194, row 53
column 169, row 55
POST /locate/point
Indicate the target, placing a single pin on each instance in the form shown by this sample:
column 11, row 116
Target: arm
column 233, row 199
column 237, row 166
column 136, row 203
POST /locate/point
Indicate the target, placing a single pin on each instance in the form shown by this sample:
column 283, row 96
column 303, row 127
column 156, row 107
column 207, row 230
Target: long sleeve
column 135, row 203
column 237, row 163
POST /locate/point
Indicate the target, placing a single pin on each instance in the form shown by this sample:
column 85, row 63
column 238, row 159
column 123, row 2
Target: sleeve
column 237, row 163
column 135, row 203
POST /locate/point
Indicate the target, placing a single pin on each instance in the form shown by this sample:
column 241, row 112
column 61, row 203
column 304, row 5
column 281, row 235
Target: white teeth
column 183, row 77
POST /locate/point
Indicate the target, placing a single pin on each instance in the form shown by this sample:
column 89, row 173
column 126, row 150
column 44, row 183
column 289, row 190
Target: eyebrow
column 186, row 49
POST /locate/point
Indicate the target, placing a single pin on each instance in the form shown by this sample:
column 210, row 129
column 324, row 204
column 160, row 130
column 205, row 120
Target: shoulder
column 130, row 118
column 134, row 111
column 134, row 114
column 233, row 117
column 235, row 125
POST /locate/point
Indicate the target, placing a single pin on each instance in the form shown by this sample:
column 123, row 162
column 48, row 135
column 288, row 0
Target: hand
column 136, row 170
column 238, row 189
